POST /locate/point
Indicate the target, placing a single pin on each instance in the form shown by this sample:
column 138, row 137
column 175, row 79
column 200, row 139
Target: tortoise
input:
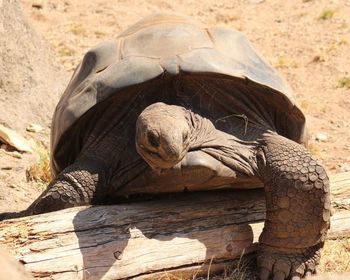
column 172, row 106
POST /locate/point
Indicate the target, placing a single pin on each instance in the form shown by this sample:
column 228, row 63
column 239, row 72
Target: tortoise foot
column 279, row 264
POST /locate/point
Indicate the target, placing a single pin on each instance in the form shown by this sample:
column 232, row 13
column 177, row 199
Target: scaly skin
column 76, row 185
column 81, row 183
column 298, row 209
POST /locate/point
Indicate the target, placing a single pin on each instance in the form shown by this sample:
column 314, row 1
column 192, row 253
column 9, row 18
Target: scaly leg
column 298, row 209
column 81, row 183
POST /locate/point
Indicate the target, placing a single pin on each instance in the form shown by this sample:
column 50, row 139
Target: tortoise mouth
column 162, row 135
column 157, row 160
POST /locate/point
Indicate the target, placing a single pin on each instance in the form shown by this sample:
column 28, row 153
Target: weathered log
column 183, row 234
column 340, row 190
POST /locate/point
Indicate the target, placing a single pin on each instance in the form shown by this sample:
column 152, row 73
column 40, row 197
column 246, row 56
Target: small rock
column 345, row 167
column 12, row 153
column 13, row 139
column 6, row 168
column 38, row 4
column 34, row 128
column 16, row 154
column 321, row 137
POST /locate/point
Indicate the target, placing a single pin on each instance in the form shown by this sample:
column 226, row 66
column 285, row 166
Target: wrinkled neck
column 202, row 131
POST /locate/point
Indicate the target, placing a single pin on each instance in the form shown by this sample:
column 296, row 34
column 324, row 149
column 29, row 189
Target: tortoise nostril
column 153, row 140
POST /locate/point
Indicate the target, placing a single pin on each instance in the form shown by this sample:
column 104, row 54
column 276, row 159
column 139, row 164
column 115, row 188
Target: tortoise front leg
column 298, row 209
column 82, row 183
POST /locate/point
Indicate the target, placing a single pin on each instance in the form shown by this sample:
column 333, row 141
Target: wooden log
column 340, row 190
column 183, row 234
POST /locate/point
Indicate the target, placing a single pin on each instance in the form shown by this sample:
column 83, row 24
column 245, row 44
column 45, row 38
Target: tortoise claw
column 281, row 265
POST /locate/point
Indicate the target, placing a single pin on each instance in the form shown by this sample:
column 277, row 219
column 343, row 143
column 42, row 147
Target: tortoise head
column 163, row 135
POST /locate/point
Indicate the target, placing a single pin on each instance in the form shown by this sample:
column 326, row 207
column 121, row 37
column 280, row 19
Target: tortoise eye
column 153, row 140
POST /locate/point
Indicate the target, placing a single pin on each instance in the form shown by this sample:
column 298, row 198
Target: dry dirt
column 307, row 41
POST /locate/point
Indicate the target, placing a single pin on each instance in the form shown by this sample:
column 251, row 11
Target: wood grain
column 182, row 234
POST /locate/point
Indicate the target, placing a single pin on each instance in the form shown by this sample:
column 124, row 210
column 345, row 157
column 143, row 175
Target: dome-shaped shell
column 157, row 44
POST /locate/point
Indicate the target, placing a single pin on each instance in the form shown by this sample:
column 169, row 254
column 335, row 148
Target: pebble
column 322, row 137
column 37, row 4
column 345, row 167
column 34, row 128
column 15, row 154
column 6, row 168
column 14, row 139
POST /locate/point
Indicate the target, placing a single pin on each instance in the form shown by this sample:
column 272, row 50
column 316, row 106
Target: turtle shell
column 172, row 44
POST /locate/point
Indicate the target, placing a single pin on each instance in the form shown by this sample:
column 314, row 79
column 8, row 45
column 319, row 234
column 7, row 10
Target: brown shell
column 164, row 43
